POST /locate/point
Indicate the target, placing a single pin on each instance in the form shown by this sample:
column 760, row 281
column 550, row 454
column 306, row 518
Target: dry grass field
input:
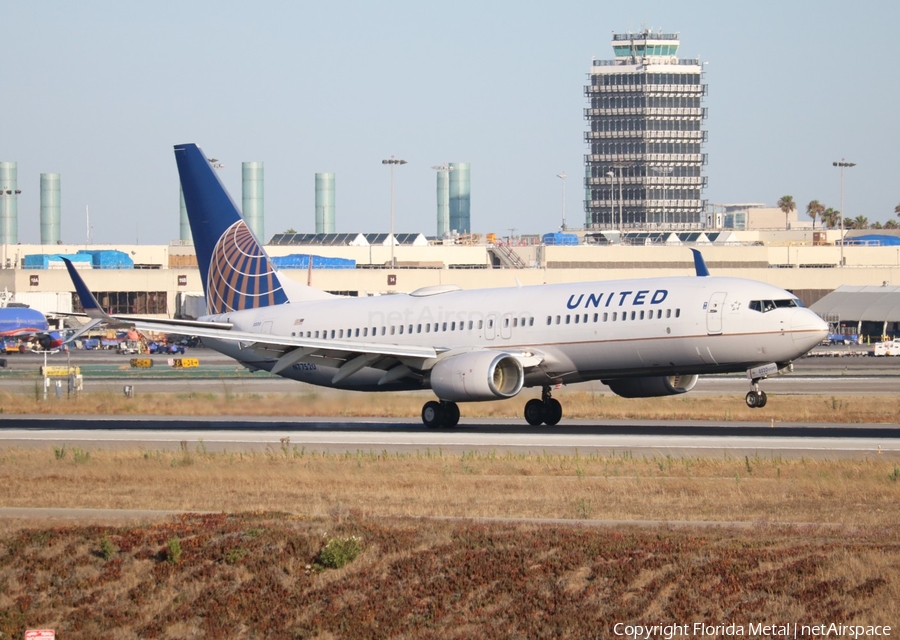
column 450, row 545
column 576, row 404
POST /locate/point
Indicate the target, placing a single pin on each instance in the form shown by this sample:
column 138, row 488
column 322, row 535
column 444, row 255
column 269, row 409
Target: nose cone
column 807, row 329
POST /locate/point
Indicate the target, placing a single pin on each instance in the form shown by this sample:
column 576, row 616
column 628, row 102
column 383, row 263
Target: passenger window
column 557, row 319
column 453, row 326
column 481, row 324
column 642, row 314
column 365, row 331
column 584, row 319
column 568, row 318
column 677, row 313
column 393, row 328
column 605, row 316
column 576, row 318
column 317, row 334
column 444, row 328
column 549, row 319
column 515, row 322
column 615, row 314
column 668, row 313
column 530, row 322
column 596, row 317
column 410, row 329
column 436, row 325
column 401, row 329
column 428, row 328
column 633, row 315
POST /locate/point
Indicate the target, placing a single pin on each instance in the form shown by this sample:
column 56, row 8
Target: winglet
column 88, row 301
column 699, row 264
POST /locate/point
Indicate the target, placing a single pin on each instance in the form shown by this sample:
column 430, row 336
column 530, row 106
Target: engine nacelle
column 651, row 387
column 477, row 375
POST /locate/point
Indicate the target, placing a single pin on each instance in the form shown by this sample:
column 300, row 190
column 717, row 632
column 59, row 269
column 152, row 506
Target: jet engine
column 477, row 375
column 651, row 387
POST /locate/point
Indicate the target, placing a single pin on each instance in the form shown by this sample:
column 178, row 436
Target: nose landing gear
column 756, row 399
column 547, row 410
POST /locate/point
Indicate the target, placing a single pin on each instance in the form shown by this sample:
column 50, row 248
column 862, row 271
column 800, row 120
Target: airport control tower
column 645, row 164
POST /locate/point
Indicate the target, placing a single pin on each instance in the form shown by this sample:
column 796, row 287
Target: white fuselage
column 583, row 331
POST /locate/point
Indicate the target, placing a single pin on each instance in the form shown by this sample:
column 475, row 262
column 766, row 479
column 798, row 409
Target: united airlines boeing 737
column 642, row 338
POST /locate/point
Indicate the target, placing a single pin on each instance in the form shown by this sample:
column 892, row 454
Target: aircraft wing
column 349, row 355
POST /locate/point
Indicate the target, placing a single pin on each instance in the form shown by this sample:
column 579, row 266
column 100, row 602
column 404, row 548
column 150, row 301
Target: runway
column 106, row 371
column 501, row 437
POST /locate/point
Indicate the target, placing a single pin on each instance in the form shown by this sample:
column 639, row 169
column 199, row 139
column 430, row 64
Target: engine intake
column 477, row 375
column 651, row 387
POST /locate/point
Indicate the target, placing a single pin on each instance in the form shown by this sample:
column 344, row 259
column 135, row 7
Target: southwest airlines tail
column 237, row 274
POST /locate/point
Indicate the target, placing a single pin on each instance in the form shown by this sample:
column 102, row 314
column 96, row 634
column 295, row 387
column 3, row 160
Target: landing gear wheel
column 763, row 399
column 534, row 412
column 432, row 414
column 755, row 399
column 552, row 412
column 450, row 412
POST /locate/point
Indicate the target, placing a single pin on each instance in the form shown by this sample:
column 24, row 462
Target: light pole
column 392, row 161
column 562, row 176
column 841, row 165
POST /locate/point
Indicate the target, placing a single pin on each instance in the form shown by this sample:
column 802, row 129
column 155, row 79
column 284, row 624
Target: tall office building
column 644, row 169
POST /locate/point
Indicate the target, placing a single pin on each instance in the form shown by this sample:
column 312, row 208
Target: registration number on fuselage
column 303, row 366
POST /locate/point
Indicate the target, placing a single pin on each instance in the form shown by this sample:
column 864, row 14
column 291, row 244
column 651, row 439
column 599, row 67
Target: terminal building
column 645, row 116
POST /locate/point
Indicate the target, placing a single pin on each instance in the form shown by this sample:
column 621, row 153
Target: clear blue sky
column 100, row 92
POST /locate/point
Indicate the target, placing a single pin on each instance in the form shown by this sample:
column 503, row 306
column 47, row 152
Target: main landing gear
column 440, row 414
column 756, row 399
column 547, row 410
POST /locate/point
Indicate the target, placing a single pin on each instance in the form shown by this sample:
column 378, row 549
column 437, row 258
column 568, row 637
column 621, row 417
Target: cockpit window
column 768, row 305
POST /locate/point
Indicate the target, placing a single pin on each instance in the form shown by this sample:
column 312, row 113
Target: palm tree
column 830, row 217
column 786, row 204
column 877, row 225
column 860, row 222
column 897, row 209
column 814, row 210
column 891, row 224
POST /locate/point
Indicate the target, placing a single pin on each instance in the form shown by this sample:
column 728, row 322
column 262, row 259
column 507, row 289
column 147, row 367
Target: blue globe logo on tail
column 240, row 274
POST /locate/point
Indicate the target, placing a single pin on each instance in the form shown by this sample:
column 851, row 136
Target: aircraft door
column 267, row 326
column 506, row 326
column 490, row 326
column 714, row 311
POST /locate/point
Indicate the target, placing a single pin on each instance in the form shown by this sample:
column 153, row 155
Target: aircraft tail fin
column 89, row 303
column 699, row 263
column 237, row 274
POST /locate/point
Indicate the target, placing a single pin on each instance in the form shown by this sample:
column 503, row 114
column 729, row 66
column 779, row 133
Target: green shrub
column 173, row 550
column 339, row 552
column 107, row 548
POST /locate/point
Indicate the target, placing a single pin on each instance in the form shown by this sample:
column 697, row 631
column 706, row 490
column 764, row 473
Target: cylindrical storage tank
column 184, row 231
column 325, row 203
column 460, row 198
column 50, row 206
column 443, row 203
column 252, row 205
column 9, row 209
